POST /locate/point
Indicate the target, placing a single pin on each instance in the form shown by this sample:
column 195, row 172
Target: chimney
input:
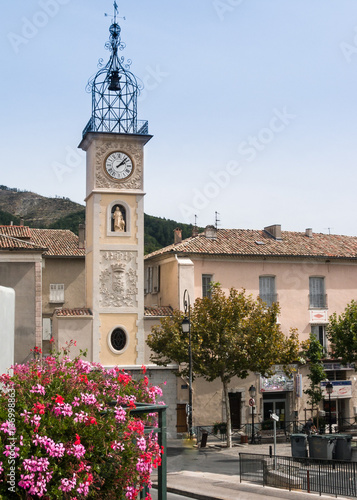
column 177, row 236
column 81, row 235
column 308, row 232
column 11, row 223
column 211, row 232
column 194, row 231
column 21, row 222
column 274, row 231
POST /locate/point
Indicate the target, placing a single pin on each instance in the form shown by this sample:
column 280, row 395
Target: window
column 57, row 293
column 320, row 333
column 317, row 297
column 152, row 279
column 46, row 328
column 206, row 285
column 267, row 289
column 118, row 340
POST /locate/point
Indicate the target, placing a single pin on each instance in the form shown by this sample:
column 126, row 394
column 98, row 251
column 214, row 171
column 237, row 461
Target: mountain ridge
column 39, row 211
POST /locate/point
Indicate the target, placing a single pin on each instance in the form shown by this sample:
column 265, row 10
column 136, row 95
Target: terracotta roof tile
column 158, row 311
column 22, row 232
column 59, row 242
column 249, row 242
column 73, row 312
column 52, row 242
column 11, row 243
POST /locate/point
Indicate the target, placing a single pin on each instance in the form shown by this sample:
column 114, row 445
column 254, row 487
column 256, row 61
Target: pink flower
column 68, row 484
column 11, row 451
column 117, row 446
column 38, row 389
column 78, row 450
column 120, row 414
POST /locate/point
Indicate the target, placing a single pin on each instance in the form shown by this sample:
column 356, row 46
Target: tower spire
column 115, row 90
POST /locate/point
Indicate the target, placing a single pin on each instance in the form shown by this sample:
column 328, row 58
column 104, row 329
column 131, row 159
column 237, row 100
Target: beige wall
column 168, row 294
column 292, row 284
column 70, row 272
column 107, row 324
column 78, row 329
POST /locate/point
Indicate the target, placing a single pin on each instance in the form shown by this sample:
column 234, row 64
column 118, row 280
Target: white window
column 317, row 297
column 46, row 328
column 57, row 293
column 206, row 285
column 320, row 333
column 152, row 279
column 267, row 291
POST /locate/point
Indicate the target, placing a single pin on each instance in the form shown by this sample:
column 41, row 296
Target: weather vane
column 116, row 12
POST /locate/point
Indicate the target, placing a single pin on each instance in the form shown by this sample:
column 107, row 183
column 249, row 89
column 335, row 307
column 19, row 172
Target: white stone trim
column 128, row 220
column 127, row 339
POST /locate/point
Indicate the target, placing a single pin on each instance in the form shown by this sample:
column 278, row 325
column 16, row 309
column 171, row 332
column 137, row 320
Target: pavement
column 201, row 473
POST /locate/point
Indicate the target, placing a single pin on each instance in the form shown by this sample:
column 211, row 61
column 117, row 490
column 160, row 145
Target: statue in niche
column 119, row 221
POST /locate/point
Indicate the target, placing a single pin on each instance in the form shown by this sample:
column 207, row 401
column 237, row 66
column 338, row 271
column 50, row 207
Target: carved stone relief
column 118, row 279
column 135, row 181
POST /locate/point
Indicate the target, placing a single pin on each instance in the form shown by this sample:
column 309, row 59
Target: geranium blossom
column 38, row 389
column 70, row 440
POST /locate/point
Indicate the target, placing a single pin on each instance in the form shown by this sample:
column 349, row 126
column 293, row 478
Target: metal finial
column 115, row 90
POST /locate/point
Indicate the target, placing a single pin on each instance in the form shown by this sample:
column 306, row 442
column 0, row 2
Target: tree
column 230, row 336
column 314, row 352
column 342, row 334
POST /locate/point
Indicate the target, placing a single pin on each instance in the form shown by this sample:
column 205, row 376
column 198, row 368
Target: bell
column 114, row 83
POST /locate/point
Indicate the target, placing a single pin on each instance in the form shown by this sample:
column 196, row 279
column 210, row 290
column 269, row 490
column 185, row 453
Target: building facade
column 310, row 275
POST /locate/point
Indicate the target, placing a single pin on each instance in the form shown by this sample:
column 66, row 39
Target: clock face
column 119, row 165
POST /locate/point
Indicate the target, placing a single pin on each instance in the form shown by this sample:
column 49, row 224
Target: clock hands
column 122, row 162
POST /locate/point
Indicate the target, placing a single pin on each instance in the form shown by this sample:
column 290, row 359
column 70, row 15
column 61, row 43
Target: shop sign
column 340, row 389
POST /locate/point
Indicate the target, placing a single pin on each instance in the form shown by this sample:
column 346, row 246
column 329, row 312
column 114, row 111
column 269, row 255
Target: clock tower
column 114, row 142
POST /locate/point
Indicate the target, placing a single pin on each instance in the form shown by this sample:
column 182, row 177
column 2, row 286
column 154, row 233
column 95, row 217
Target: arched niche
column 118, row 219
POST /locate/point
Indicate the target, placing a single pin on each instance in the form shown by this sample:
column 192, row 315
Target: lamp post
column 329, row 389
column 186, row 328
column 252, row 392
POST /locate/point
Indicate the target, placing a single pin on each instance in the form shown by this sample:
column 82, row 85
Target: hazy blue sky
column 252, row 104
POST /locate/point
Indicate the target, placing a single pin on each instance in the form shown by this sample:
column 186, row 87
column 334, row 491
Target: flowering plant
column 67, row 431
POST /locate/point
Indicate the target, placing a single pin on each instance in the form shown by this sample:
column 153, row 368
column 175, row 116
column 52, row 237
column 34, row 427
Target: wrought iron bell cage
column 115, row 92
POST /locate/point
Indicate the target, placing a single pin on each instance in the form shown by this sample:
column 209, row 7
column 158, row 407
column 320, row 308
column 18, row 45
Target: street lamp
column 329, row 389
column 252, row 392
column 186, row 328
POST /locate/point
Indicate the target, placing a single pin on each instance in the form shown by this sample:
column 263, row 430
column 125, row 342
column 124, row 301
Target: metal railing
column 304, row 474
column 160, row 410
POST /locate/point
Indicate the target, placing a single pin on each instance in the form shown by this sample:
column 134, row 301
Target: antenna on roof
column 217, row 220
column 195, row 228
column 329, row 229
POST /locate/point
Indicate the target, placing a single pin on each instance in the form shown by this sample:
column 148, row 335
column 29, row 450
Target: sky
column 251, row 103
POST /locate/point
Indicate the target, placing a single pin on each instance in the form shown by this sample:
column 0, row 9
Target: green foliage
column 314, row 352
column 230, row 335
column 342, row 334
column 6, row 218
column 159, row 232
column 70, row 221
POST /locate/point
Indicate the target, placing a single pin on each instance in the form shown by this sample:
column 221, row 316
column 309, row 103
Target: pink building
column 310, row 275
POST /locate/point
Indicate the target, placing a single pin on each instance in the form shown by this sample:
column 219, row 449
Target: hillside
column 62, row 213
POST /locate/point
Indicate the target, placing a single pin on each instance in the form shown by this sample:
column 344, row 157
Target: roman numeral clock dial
column 119, row 166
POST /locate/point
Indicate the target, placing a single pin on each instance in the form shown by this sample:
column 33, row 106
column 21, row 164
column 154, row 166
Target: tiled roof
column 8, row 242
column 158, row 311
column 73, row 312
column 53, row 242
column 59, row 242
column 249, row 242
column 22, row 232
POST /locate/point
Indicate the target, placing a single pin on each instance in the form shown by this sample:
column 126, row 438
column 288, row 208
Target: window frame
column 272, row 295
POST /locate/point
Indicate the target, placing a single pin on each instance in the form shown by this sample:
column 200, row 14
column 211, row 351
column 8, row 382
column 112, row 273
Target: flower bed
column 66, row 431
